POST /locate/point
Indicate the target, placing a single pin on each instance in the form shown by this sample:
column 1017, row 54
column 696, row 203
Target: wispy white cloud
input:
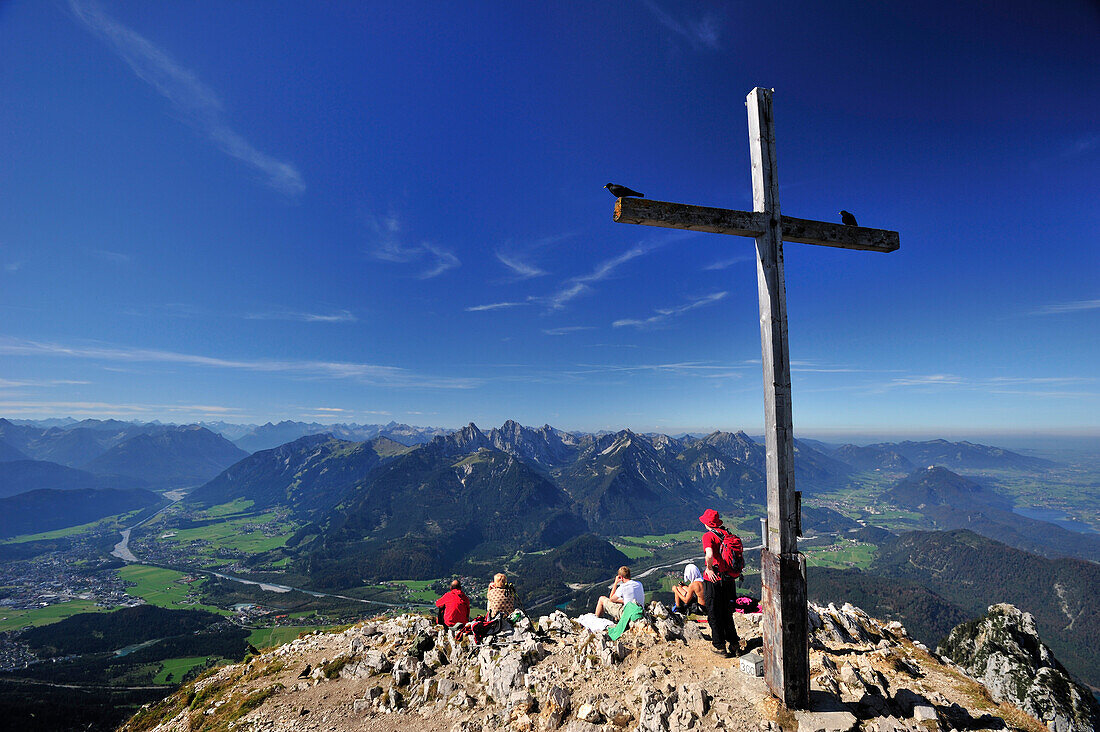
column 329, row 413
column 12, row 266
column 695, row 369
column 197, row 102
column 582, row 284
column 388, row 245
column 444, row 260
column 338, row 316
column 520, row 259
column 701, row 33
column 1040, row 386
column 188, row 310
column 116, row 257
column 15, row 383
column 1067, row 307
column 725, row 263
column 521, row 269
column 665, row 314
column 493, row 306
column 928, row 380
column 365, row 373
column 111, row 409
column 567, row 329
column 1047, row 394
column 1041, row 380
column 558, row 300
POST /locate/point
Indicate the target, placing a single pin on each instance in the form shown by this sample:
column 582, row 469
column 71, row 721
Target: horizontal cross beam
column 752, row 224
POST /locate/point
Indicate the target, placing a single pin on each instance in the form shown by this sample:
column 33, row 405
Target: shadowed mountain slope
column 623, row 485
column 20, row 476
column 10, row 454
column 173, row 458
column 46, row 510
column 311, row 474
column 428, row 509
column 873, row 457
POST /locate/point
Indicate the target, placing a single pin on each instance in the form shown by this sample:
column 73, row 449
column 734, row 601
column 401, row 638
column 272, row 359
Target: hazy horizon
column 1072, row 439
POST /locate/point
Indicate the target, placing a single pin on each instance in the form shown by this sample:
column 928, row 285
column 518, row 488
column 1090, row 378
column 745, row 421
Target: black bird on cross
column 622, row 191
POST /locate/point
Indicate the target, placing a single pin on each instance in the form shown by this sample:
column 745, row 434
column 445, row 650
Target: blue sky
column 369, row 212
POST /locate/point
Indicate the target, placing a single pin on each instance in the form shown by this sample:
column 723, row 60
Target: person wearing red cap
column 719, row 586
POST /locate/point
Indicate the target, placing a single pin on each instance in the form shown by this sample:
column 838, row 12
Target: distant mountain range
column 447, row 498
column 171, row 458
column 267, row 436
column 51, row 439
column 957, row 455
column 164, row 456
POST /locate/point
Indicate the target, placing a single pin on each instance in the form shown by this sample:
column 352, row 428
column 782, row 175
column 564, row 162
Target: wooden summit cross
column 783, row 568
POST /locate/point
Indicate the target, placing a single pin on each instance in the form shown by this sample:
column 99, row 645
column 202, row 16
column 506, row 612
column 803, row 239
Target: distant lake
column 1055, row 517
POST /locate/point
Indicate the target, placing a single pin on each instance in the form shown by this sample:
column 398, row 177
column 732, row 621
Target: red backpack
column 732, row 551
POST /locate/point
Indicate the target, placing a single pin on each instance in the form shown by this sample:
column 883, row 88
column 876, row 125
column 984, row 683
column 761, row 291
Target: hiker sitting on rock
column 501, row 597
column 454, row 606
column 624, row 590
column 689, row 592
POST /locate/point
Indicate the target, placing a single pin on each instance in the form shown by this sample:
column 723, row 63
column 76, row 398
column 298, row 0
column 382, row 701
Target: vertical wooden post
column 786, row 642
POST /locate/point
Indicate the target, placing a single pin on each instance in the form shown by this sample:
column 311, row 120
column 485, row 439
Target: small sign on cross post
column 783, row 568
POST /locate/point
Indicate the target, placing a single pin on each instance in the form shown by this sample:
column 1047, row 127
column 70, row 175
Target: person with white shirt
column 624, row 590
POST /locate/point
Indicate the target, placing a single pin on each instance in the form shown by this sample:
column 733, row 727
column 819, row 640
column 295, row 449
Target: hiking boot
column 720, row 651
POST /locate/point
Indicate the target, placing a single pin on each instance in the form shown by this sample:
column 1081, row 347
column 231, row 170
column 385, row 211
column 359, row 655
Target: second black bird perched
column 622, row 191
column 848, row 219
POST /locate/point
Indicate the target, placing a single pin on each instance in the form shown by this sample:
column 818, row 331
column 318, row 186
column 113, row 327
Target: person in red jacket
column 719, row 587
column 454, row 606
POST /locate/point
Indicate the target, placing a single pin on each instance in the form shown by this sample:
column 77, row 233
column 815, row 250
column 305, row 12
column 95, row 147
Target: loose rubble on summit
column 404, row 673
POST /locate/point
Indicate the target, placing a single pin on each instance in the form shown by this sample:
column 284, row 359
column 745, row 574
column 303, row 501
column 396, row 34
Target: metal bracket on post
column 798, row 514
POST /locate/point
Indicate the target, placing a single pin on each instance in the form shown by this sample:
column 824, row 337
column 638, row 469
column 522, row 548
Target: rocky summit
column 1003, row 650
column 403, row 674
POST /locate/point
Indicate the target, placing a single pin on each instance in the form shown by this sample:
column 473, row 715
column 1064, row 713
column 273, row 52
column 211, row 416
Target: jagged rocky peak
column 664, row 443
column 466, row 440
column 629, row 443
column 544, row 446
column 404, row 674
column 1002, row 650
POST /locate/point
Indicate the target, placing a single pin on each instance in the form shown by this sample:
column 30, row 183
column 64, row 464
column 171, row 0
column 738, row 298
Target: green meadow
column 633, row 551
column 236, row 534
column 855, row 555
column 164, row 588
column 15, row 619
